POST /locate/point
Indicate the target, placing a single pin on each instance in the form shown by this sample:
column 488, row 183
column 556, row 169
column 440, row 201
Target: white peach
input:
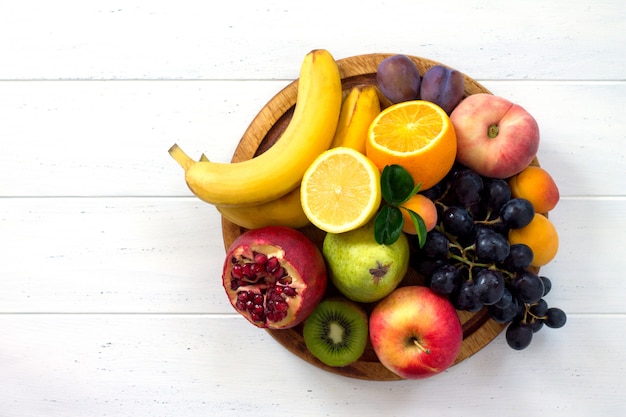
column 495, row 137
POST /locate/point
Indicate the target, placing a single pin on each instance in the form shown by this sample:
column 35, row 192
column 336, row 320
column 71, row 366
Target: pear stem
column 181, row 157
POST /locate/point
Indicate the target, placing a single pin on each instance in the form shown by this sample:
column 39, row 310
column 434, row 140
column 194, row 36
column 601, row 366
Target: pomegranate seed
column 279, row 273
column 278, row 316
column 257, row 317
column 272, row 264
column 257, row 269
column 237, row 271
column 260, row 258
column 290, row 291
column 282, row 306
column 247, row 270
column 267, row 302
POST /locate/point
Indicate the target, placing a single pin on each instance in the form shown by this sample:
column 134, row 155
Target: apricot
column 540, row 236
column 536, row 185
column 423, row 206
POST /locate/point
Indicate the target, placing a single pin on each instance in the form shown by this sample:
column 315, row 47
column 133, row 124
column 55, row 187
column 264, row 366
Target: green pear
column 362, row 269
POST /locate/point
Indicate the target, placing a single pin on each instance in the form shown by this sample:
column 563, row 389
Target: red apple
column 495, row 137
column 415, row 332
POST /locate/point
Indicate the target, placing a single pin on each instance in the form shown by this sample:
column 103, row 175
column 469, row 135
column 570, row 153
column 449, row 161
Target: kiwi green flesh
column 336, row 332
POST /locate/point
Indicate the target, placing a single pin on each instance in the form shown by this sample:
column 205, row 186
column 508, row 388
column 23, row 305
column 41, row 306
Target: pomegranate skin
column 274, row 276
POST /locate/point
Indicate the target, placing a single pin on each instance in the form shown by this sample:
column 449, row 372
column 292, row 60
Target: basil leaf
column 420, row 226
column 388, row 225
column 397, row 185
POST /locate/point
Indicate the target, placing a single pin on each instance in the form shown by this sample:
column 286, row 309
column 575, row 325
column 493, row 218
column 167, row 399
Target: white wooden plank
column 165, row 255
column 584, row 269
column 242, row 39
column 111, row 138
column 128, row 78
column 90, row 138
column 586, row 154
column 142, row 365
column 113, row 255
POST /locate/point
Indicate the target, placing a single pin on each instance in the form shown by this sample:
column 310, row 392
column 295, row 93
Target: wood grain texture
column 264, row 130
column 243, row 40
column 164, row 256
column 110, row 294
column 110, row 138
column 199, row 365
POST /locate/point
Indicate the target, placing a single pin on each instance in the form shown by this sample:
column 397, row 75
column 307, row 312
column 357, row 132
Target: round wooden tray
column 265, row 129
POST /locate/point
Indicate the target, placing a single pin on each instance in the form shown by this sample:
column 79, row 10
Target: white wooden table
column 110, row 295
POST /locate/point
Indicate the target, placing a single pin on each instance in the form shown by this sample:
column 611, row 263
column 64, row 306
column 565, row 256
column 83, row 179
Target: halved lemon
column 417, row 135
column 340, row 191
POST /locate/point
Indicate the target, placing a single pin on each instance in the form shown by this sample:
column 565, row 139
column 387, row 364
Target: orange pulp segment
column 417, row 135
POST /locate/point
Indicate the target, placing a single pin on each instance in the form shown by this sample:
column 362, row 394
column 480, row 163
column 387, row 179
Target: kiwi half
column 336, row 332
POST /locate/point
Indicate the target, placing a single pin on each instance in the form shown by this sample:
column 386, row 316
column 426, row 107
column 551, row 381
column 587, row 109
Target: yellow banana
column 284, row 211
column 358, row 111
column 278, row 170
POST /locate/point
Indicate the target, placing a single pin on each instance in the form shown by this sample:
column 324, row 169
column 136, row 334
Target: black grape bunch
column 468, row 257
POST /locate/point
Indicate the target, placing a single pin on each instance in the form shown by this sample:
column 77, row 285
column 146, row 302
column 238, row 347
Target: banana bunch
column 358, row 111
column 265, row 190
column 284, row 211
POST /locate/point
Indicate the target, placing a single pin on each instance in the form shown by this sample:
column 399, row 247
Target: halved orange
column 416, row 135
column 340, row 191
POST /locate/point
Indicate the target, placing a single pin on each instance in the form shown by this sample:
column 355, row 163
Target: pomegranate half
column 274, row 276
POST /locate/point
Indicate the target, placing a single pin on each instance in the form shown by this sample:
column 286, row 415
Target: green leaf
column 420, row 226
column 388, row 225
column 397, row 185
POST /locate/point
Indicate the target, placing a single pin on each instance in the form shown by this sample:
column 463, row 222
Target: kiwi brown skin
column 346, row 314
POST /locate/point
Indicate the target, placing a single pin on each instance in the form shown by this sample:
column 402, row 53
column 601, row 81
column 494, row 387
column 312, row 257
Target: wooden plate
column 265, row 129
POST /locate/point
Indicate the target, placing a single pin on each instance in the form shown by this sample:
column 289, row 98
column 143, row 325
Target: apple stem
column 492, row 131
column 423, row 349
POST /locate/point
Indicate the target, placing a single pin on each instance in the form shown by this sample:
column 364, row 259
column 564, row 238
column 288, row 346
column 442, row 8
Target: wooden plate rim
column 267, row 126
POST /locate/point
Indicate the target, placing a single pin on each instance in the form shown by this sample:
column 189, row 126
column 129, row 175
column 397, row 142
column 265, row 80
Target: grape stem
column 534, row 316
column 489, row 222
column 463, row 259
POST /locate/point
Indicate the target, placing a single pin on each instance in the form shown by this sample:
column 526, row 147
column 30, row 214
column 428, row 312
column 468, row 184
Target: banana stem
column 181, row 157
